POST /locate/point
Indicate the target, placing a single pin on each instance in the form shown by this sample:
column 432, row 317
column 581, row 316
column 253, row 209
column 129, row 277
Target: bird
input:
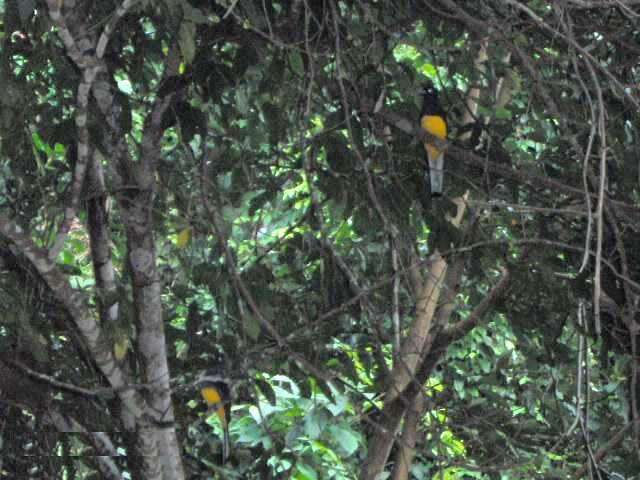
column 433, row 120
column 215, row 389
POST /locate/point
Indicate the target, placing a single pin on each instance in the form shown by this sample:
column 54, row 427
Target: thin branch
column 572, row 42
column 120, row 12
column 75, row 302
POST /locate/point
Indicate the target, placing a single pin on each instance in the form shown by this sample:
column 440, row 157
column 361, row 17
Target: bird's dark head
column 429, row 90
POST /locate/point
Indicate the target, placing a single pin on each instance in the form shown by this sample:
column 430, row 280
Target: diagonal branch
column 75, row 302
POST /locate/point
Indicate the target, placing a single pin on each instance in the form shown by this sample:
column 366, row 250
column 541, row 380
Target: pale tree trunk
column 149, row 425
column 413, row 364
column 415, row 347
column 407, row 448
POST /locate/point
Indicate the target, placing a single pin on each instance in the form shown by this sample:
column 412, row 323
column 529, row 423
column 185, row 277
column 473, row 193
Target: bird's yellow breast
column 435, row 125
column 211, row 395
column 213, row 398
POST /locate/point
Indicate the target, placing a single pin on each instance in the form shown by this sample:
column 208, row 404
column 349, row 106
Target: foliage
column 280, row 191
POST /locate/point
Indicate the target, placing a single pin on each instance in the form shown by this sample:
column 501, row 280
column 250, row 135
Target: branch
column 606, row 448
column 415, row 342
column 407, row 449
column 470, row 158
column 460, row 329
column 104, row 449
column 89, row 67
column 393, row 412
column 120, row 12
column 152, row 132
column 75, row 302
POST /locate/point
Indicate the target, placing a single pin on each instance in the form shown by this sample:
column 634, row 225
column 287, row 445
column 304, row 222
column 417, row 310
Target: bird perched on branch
column 433, row 120
column 215, row 389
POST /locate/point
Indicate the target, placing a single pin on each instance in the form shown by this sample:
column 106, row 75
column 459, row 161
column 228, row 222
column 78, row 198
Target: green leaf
column 251, row 434
column 40, row 144
column 296, row 63
column 455, row 444
column 304, row 472
column 429, row 70
column 503, row 114
column 194, row 15
column 183, row 238
column 59, row 149
column 339, row 406
column 186, row 41
column 242, row 101
column 312, row 425
column 458, row 386
column 347, row 439
column 251, row 326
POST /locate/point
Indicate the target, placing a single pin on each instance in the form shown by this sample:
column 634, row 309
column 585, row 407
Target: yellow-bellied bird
column 433, row 120
column 216, row 391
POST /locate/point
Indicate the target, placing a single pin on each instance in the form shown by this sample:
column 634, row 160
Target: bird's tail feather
column 436, row 175
column 226, row 445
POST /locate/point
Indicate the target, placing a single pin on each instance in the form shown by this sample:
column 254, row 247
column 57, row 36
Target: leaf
column 304, row 381
column 120, row 347
column 183, row 237
column 503, row 114
column 192, row 14
column 312, row 425
column 344, row 232
column 326, row 389
column 429, row 70
column 40, row 144
column 242, row 101
column 304, row 472
column 252, row 434
column 339, row 406
column 296, row 63
column 458, row 386
column 186, row 41
column 272, row 81
column 456, row 445
column 346, row 438
column 266, row 389
column 251, row 326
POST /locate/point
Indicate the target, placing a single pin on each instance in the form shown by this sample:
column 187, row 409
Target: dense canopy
column 241, row 188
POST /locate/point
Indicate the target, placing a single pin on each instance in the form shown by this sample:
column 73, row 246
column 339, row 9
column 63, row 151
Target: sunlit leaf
column 186, row 40
column 184, row 237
